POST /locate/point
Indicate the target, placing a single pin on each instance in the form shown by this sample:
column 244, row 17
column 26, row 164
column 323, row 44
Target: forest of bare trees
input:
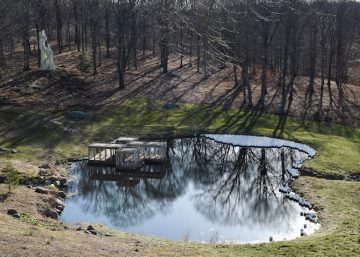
column 317, row 39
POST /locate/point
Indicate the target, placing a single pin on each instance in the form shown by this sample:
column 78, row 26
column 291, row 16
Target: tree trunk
column 190, row 49
column 198, row 53
column 68, row 35
column 312, row 59
column 181, row 45
column 323, row 52
column 121, row 46
column 58, row 26
column 246, row 83
column 144, row 42
column 99, row 51
column 38, row 44
column 153, row 38
column 77, row 30
column 284, row 68
column 331, row 54
column 26, row 37
column 134, row 41
column 236, row 81
column 107, row 29
column 94, row 44
column 2, row 59
column 264, row 67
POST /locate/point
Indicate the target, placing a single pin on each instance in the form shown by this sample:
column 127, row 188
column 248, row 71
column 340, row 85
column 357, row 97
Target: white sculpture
column 47, row 54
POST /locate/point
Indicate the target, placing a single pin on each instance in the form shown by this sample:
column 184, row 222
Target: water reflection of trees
column 233, row 185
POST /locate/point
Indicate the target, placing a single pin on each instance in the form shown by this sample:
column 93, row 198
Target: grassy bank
column 339, row 235
column 36, row 138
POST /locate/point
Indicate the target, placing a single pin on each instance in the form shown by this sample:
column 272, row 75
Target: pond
column 212, row 188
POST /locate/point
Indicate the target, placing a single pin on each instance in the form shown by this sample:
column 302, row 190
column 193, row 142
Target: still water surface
column 207, row 191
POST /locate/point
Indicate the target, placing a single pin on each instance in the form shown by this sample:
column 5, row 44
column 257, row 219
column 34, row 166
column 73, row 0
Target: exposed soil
column 68, row 90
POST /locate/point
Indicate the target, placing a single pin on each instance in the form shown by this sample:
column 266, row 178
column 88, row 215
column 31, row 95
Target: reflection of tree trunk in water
column 283, row 168
column 262, row 178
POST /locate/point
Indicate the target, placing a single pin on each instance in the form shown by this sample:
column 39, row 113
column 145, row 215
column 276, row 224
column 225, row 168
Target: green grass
column 338, row 155
column 338, row 146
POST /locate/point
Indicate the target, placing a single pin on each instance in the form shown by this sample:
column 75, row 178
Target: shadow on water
column 205, row 191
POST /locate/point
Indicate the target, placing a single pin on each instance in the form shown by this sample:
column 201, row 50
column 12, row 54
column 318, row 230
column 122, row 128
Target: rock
column 47, row 182
column 45, row 166
column 58, row 201
column 86, row 232
column 4, row 149
column 61, row 195
column 170, row 106
column 312, row 217
column 57, row 183
column 12, row 212
column 76, row 115
column 93, row 232
column 59, row 205
column 294, row 172
column 53, row 179
column 38, row 181
column 51, row 213
column 285, row 189
column 107, row 235
column 41, row 190
column 302, row 233
column 58, row 211
column 79, row 228
column 4, row 101
column 14, row 151
column 63, row 181
column 90, row 227
column 16, row 216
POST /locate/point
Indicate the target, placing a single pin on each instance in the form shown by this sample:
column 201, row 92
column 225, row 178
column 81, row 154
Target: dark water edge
column 213, row 188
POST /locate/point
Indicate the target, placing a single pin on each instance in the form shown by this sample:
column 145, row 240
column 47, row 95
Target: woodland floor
column 36, row 98
column 68, row 90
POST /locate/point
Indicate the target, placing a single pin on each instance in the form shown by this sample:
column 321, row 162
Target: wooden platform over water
column 127, row 153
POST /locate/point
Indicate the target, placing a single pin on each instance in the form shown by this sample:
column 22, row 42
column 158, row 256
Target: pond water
column 213, row 188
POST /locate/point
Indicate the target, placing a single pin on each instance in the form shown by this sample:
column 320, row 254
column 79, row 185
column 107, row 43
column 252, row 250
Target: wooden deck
column 127, row 153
